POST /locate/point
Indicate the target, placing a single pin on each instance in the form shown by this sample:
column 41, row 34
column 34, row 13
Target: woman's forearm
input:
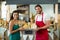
column 14, row 31
column 19, row 29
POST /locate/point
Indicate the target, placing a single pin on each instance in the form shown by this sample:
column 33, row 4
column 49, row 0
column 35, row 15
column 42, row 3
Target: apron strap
column 42, row 16
column 37, row 17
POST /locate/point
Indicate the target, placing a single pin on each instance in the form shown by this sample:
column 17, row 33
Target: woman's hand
column 21, row 28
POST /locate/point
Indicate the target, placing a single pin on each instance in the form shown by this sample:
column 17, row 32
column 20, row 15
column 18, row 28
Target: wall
column 12, row 8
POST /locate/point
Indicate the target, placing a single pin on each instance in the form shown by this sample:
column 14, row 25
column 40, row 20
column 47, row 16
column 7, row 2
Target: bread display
column 25, row 26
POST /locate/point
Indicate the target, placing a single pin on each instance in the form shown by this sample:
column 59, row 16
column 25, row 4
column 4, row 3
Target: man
column 42, row 22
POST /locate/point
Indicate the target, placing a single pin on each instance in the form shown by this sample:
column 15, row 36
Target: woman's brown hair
column 15, row 11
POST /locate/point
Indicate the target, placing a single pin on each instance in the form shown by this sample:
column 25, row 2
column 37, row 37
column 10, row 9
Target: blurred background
column 25, row 13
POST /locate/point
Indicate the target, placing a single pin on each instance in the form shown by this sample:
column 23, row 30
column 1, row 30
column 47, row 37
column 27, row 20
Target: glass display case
column 23, row 12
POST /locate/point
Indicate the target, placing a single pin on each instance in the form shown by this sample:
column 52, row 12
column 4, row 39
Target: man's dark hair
column 38, row 6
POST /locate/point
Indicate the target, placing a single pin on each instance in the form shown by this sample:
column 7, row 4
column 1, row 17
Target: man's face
column 38, row 10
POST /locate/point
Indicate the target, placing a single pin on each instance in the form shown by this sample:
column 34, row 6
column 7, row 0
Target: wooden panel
column 58, row 19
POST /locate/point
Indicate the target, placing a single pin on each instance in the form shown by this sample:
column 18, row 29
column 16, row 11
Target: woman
column 42, row 22
column 14, row 26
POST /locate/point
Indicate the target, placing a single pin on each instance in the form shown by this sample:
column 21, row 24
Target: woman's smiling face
column 15, row 15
